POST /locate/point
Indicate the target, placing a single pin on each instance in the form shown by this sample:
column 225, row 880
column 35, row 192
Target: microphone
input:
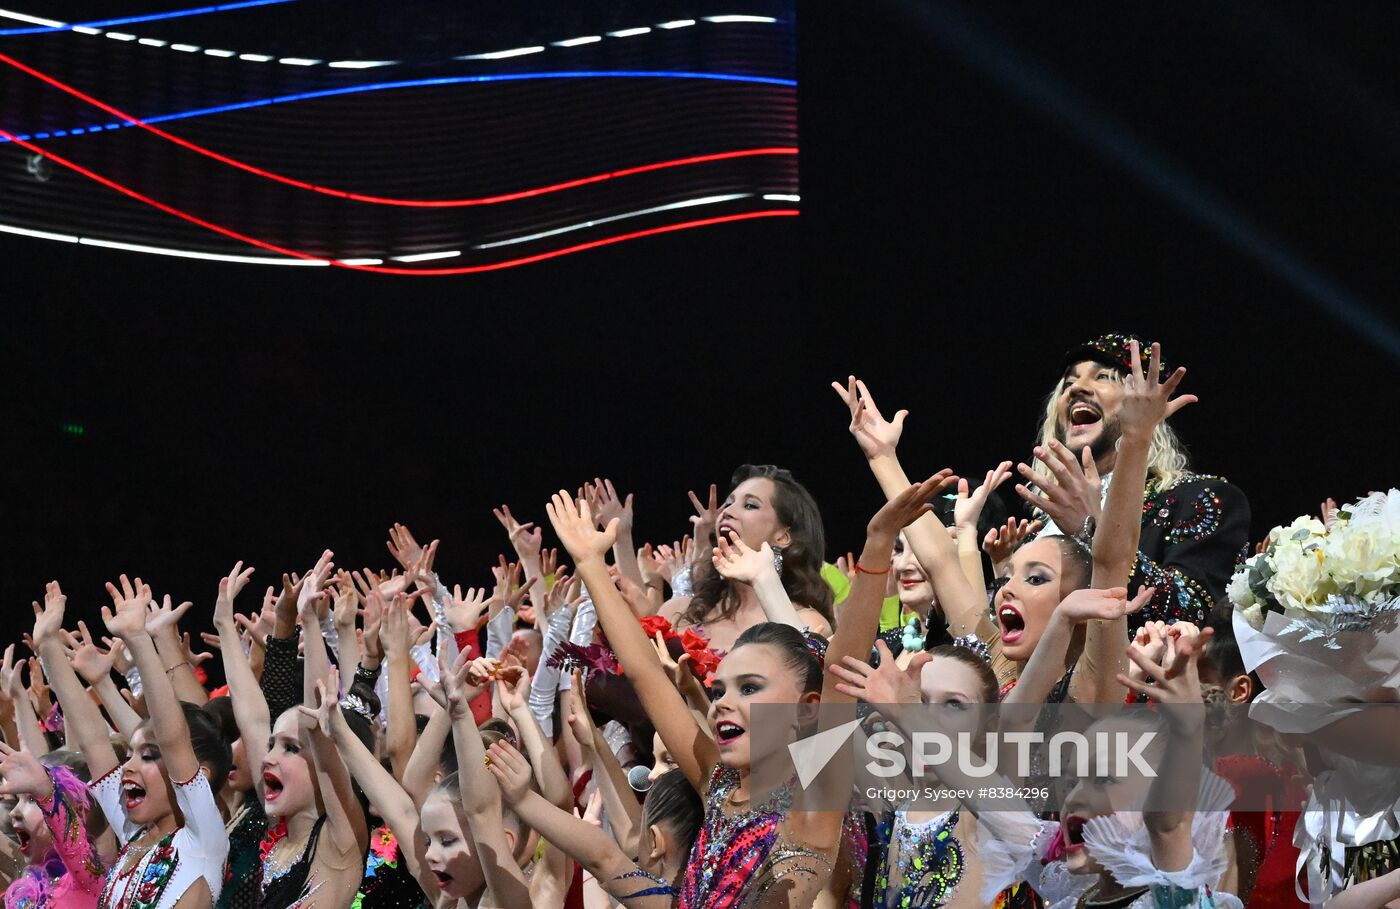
column 639, row 778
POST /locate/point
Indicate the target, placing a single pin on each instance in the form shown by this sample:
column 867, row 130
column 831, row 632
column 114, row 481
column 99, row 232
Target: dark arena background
column 277, row 275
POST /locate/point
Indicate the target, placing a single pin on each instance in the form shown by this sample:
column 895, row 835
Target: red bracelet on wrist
column 861, row 569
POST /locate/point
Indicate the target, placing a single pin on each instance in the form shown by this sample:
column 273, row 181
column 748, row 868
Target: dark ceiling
column 982, row 185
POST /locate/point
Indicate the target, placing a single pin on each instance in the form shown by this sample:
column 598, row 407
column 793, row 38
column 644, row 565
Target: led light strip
column 378, row 269
column 51, row 25
column 689, row 203
column 95, row 29
column 145, row 123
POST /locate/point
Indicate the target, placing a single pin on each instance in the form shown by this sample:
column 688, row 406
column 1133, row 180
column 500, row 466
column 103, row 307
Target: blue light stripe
column 149, row 17
column 442, row 80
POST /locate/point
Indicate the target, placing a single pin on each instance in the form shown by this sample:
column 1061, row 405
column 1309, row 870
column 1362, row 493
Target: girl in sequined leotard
column 746, row 854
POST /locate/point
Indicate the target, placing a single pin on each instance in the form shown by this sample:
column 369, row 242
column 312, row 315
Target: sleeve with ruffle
column 66, row 823
column 1121, row 843
column 1011, row 845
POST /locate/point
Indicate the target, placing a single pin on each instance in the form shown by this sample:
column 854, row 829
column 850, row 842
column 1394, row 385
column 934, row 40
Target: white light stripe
column 192, row 254
column 575, row 42
column 214, row 52
column 720, row 20
column 780, row 197
column 689, row 203
column 33, row 20
column 255, row 58
column 360, row 261
column 501, row 55
column 84, row 30
column 184, row 48
column 424, row 257
column 629, row 32
column 152, row 42
column 298, row 61
column 676, row 23
column 360, row 64
column 40, row 234
column 121, row 36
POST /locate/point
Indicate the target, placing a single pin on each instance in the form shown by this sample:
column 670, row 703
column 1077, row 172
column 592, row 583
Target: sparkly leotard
column 737, row 859
column 923, row 864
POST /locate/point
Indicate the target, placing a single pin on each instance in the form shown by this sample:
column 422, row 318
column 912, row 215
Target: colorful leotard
column 159, row 877
column 737, row 859
column 72, row 876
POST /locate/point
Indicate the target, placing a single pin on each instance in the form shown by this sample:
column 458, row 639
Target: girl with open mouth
column 745, row 849
column 160, row 802
column 313, row 853
column 51, row 824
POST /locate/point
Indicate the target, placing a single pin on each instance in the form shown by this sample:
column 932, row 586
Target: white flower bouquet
column 1326, row 580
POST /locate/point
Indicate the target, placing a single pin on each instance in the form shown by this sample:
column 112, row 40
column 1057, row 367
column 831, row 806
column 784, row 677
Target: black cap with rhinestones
column 1110, row 349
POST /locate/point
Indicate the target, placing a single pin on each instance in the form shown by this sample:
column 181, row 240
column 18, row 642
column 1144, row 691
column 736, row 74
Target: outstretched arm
column 80, row 714
column 481, row 802
column 964, row 607
column 127, row 620
column 734, row 560
column 389, row 799
column 554, row 783
column 584, row 843
column 345, row 820
column 1146, row 403
column 694, row 751
column 95, row 668
column 250, row 710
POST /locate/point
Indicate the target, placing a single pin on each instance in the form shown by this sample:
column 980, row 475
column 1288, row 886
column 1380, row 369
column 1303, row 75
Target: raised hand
column 509, row 592
column 510, row 769
column 573, row 524
column 593, row 810
column 165, row 618
column 11, row 682
column 525, row 539
column 373, row 613
column 1147, row 401
column 312, row 594
column 516, row 696
column 679, row 555
column 460, row 684
column 421, row 571
column 968, row 506
column 121, row 657
column 23, row 774
column 393, row 633
column 652, row 566
column 403, row 547
column 327, row 700
column 90, row 662
column 876, row 436
column 846, row 564
column 345, row 599
column 39, row 691
column 193, row 658
column 229, row 588
column 706, row 514
column 1072, row 494
column 465, row 612
column 1174, row 672
column 549, row 563
column 48, row 619
column 1092, row 603
column 1000, row 542
column 577, row 716
column 127, row 616
column 567, row 591
column 887, row 684
column 1328, row 512
column 611, row 507
column 734, row 560
column 902, row 510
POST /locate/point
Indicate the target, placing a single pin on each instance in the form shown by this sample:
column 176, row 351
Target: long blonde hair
column 1166, row 456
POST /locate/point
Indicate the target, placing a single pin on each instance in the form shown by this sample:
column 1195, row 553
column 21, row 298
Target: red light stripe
column 382, row 269
column 384, row 200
